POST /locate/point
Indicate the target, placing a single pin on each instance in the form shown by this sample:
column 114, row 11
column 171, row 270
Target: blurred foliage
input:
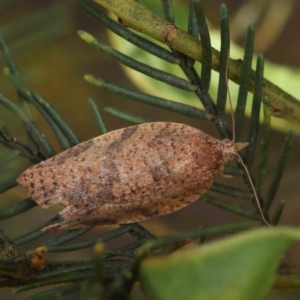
column 112, row 272
column 280, row 75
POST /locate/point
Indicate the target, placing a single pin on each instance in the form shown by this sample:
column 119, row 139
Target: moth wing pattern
column 127, row 175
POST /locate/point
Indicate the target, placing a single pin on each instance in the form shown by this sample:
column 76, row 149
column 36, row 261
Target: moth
column 129, row 175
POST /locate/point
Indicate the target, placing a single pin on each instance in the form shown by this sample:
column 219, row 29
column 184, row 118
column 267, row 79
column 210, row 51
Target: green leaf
column 237, row 268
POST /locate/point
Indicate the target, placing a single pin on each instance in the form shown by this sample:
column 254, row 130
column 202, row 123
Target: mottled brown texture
column 128, row 175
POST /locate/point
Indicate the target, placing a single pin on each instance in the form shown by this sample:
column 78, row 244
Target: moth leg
column 65, row 225
column 79, row 222
column 71, row 218
column 226, row 175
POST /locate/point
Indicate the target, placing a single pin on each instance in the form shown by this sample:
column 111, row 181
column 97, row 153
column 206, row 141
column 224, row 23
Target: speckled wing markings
column 127, row 175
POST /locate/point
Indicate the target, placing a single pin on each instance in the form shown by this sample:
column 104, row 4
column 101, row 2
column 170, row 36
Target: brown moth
column 129, row 175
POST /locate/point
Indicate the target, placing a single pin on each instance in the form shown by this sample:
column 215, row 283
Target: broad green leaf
column 241, row 267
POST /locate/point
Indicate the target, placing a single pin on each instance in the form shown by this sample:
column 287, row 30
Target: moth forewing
column 128, row 175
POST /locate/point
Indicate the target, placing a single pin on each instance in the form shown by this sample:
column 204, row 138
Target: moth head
column 231, row 148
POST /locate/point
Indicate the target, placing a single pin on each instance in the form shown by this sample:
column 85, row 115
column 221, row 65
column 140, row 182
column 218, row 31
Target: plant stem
column 138, row 17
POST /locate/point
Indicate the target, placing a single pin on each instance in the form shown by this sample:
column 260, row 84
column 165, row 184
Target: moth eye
column 226, row 141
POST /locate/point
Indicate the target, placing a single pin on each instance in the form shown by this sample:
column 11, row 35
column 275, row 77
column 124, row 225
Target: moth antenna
column 229, row 98
column 233, row 139
column 254, row 192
